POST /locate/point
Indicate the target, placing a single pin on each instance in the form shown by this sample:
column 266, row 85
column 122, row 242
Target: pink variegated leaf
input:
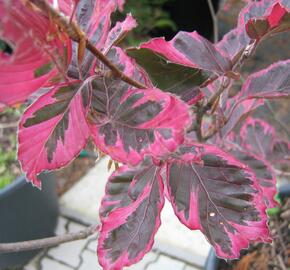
column 67, row 7
column 213, row 192
column 263, row 172
column 280, row 152
column 53, row 130
column 191, row 50
column 130, row 215
column 275, row 19
column 145, row 122
column 119, row 32
column 38, row 51
column 237, row 111
column 272, row 82
column 131, row 123
column 94, row 17
column 285, row 3
column 169, row 77
column 255, row 10
column 257, row 20
column 234, row 42
column 258, row 137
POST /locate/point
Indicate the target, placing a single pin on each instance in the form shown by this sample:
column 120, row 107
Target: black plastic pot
column 213, row 262
column 26, row 213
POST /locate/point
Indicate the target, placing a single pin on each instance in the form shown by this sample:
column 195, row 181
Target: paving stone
column 69, row 253
column 48, row 264
column 92, row 246
column 175, row 239
column 90, row 261
column 31, row 266
column 189, row 267
column 34, row 263
column 84, row 198
column 167, row 263
column 75, row 227
column 61, row 226
column 148, row 258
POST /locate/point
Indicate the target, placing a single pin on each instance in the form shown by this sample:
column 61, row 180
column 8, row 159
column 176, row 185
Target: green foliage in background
column 8, row 152
column 150, row 15
column 6, row 158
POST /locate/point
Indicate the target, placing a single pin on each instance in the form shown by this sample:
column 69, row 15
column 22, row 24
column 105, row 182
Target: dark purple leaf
column 169, row 77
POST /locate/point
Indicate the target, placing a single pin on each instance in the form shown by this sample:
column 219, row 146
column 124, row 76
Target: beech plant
column 162, row 109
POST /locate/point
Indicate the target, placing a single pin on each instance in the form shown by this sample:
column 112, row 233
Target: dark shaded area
column 26, row 213
column 188, row 16
column 5, row 47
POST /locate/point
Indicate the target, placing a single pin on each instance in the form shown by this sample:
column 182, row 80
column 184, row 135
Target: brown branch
column 203, row 109
column 198, row 127
column 76, row 34
column 248, row 51
column 47, row 242
column 214, row 21
column 8, row 125
column 224, row 85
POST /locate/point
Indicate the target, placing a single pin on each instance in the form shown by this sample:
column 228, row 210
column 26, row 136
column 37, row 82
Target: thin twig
column 248, row 51
column 281, row 263
column 214, row 21
column 47, row 242
column 225, row 83
column 198, row 127
column 76, row 34
column 203, row 109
